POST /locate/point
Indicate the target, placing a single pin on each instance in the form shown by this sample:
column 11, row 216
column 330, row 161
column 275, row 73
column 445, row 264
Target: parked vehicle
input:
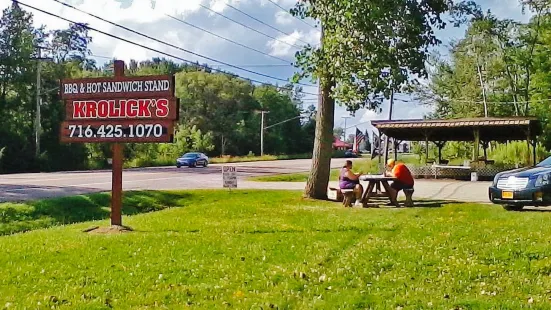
column 530, row 186
column 350, row 154
column 192, row 160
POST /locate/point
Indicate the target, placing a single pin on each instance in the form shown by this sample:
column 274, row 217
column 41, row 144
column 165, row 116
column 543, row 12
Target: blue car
column 192, row 160
column 530, row 186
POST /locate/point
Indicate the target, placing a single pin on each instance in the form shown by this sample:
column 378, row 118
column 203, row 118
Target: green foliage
column 517, row 153
column 186, row 139
column 363, row 39
column 503, row 63
column 217, row 110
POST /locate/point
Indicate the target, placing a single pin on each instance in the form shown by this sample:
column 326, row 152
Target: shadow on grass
column 383, row 203
column 533, row 210
column 23, row 217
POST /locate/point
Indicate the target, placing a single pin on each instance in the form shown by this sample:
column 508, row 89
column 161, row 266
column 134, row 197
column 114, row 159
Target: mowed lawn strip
column 252, row 249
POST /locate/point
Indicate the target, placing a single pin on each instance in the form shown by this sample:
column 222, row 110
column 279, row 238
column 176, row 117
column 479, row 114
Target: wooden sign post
column 118, row 110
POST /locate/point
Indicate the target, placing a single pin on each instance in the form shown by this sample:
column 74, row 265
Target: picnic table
column 373, row 188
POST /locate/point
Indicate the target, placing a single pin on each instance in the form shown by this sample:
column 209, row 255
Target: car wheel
column 193, row 165
column 178, row 166
column 206, row 164
column 513, row 207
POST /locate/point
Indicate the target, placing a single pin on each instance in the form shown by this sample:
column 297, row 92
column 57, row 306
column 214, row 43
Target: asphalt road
column 19, row 187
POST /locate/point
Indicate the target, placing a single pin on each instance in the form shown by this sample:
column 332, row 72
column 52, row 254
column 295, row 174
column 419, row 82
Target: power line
column 262, row 22
column 147, row 47
column 99, row 56
column 285, row 10
column 240, row 65
column 497, row 102
column 172, row 45
column 248, row 27
column 224, row 38
column 258, row 66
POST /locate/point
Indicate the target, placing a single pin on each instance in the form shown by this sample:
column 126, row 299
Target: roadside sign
column 119, row 109
column 229, row 176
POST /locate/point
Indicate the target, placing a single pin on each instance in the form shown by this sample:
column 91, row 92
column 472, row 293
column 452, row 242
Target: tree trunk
column 316, row 187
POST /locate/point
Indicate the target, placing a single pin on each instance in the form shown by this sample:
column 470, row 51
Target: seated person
column 351, row 180
column 404, row 178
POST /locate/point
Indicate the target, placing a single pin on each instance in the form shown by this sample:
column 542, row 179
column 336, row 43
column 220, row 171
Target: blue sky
column 149, row 17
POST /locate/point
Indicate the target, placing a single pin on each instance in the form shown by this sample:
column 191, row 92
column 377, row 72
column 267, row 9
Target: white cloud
column 283, row 18
column 286, row 45
column 148, row 16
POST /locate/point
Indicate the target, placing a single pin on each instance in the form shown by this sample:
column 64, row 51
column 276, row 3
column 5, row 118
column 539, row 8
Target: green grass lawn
column 272, row 249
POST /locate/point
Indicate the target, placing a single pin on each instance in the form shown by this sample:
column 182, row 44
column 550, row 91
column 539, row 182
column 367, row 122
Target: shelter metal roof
column 491, row 129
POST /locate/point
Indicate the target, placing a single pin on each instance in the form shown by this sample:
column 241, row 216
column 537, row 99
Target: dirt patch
column 114, row 229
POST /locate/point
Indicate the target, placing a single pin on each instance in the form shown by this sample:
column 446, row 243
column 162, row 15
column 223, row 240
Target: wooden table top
column 376, row 177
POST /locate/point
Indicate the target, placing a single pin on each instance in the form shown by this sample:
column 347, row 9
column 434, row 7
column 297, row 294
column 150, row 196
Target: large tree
column 361, row 40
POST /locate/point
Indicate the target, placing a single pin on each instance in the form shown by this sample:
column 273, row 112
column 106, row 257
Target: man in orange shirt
column 404, row 178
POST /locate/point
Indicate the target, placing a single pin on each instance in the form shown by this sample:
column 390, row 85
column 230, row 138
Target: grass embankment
column 362, row 165
column 163, row 161
column 266, row 249
column 20, row 217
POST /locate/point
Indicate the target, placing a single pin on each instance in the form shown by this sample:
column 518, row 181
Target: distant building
column 339, row 145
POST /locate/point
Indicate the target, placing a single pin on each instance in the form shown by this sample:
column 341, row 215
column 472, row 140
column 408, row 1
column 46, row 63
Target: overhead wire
column 285, row 10
column 248, row 27
column 171, row 45
column 240, row 65
column 497, row 102
column 262, row 22
column 226, row 39
column 152, row 49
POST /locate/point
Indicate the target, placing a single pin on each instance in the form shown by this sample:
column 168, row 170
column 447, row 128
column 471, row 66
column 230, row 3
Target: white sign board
column 229, row 176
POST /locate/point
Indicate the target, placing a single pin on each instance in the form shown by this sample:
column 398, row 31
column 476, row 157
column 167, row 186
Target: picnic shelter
column 480, row 131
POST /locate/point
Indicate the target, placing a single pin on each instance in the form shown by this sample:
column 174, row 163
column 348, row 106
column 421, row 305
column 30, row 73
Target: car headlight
column 543, row 179
column 496, row 178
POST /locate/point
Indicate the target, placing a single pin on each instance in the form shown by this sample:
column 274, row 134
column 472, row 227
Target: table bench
column 346, row 195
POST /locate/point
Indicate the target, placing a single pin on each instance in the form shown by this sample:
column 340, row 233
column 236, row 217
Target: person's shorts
column 348, row 185
column 398, row 185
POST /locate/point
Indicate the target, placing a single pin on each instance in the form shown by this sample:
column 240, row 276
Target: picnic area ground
column 272, row 249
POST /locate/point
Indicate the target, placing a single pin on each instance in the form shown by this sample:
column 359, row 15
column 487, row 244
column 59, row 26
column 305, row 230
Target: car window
column 546, row 162
column 190, row 155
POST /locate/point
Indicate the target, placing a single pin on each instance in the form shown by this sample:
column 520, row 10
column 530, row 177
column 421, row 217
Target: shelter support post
column 476, row 150
column 426, row 148
column 532, row 144
column 396, row 144
column 440, row 145
column 534, row 151
column 485, row 148
column 529, row 144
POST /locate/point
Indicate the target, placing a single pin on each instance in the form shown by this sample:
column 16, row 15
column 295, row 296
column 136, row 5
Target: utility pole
column 483, row 89
column 262, row 132
column 37, row 127
column 38, row 118
column 389, row 118
column 344, row 133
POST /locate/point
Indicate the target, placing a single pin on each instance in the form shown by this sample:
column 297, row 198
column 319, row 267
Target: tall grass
column 517, row 152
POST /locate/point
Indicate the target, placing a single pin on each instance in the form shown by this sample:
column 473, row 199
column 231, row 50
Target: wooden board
column 118, row 87
column 117, row 131
column 113, row 109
